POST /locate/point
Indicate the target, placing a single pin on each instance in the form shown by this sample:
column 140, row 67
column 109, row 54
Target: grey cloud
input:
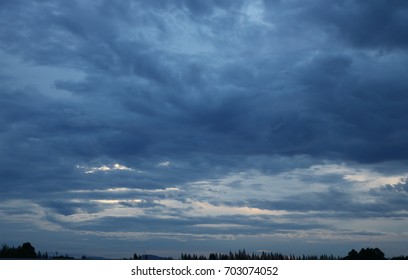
column 195, row 7
column 209, row 88
column 189, row 227
column 386, row 201
column 331, row 200
column 256, row 115
column 331, row 68
column 376, row 24
column 69, row 208
column 393, row 196
column 142, row 204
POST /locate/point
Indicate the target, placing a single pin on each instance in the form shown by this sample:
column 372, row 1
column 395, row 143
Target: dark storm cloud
column 194, row 7
column 318, row 112
column 182, row 108
column 176, row 92
column 365, row 116
column 378, row 24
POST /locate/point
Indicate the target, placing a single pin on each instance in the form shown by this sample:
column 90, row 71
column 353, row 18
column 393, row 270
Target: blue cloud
column 221, row 90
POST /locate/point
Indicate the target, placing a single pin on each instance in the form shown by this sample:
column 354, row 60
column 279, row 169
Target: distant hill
column 96, row 258
column 148, row 257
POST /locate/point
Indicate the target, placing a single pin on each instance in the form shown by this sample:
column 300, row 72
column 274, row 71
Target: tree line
column 363, row 254
column 243, row 255
column 27, row 251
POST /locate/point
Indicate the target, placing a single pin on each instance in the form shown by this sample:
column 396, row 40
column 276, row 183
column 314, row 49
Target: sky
column 165, row 126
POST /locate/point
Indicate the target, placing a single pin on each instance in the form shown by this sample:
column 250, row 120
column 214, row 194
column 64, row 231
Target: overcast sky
column 198, row 126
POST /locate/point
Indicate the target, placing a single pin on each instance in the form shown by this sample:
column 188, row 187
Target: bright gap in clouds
column 105, row 168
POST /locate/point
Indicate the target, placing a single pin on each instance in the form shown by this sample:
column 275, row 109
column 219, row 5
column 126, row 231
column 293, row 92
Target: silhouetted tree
column 242, row 255
column 371, row 254
column 366, row 254
column 25, row 251
column 28, row 251
column 352, row 255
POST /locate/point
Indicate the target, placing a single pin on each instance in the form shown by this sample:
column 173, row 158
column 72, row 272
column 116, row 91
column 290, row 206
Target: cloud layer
column 225, row 120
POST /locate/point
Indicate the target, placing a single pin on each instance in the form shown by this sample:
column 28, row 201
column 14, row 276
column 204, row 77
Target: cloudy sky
column 198, row 126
